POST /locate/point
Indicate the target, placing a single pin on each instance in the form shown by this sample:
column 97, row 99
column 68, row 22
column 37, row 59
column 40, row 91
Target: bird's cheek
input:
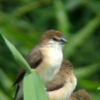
column 61, row 43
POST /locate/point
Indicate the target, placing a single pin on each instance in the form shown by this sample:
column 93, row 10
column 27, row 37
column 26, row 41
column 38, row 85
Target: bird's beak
column 63, row 40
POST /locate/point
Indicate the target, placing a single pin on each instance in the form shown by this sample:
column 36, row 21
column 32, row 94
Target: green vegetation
column 32, row 82
column 24, row 21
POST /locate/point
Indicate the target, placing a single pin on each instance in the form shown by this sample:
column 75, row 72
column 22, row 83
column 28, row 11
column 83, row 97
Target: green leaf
column 86, row 70
column 18, row 57
column 34, row 88
column 81, row 35
column 94, row 5
column 72, row 4
column 88, row 84
column 62, row 18
column 98, row 88
column 5, row 84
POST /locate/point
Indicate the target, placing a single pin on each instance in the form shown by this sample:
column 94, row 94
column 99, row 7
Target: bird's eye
column 55, row 39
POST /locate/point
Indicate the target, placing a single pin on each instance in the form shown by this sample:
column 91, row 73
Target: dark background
column 24, row 21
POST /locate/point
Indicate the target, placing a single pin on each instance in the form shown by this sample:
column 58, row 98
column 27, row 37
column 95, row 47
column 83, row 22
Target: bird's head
column 53, row 38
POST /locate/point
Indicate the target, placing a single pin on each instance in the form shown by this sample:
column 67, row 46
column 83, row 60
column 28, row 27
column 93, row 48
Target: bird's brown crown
column 52, row 34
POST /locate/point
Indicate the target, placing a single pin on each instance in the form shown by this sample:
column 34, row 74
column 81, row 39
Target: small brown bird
column 63, row 84
column 80, row 95
column 46, row 58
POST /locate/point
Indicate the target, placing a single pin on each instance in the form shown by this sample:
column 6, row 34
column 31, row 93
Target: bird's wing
column 57, row 83
column 34, row 58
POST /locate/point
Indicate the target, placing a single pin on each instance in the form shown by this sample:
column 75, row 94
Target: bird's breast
column 52, row 63
column 55, row 57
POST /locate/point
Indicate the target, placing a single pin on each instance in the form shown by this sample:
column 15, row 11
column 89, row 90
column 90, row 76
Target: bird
column 46, row 58
column 63, row 84
column 81, row 94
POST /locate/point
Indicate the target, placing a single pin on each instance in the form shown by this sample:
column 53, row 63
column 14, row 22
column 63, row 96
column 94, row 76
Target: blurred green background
column 24, row 21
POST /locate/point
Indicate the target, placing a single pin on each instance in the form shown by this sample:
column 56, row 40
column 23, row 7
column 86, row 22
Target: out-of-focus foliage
column 32, row 84
column 24, row 21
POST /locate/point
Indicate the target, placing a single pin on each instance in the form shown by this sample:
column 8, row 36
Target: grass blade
column 80, row 36
column 18, row 57
column 62, row 18
column 33, row 89
column 33, row 86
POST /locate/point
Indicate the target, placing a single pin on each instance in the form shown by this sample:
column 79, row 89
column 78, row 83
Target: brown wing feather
column 57, row 82
column 34, row 58
column 60, row 79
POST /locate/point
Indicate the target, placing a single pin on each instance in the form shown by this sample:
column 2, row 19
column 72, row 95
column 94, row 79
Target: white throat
column 55, row 45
